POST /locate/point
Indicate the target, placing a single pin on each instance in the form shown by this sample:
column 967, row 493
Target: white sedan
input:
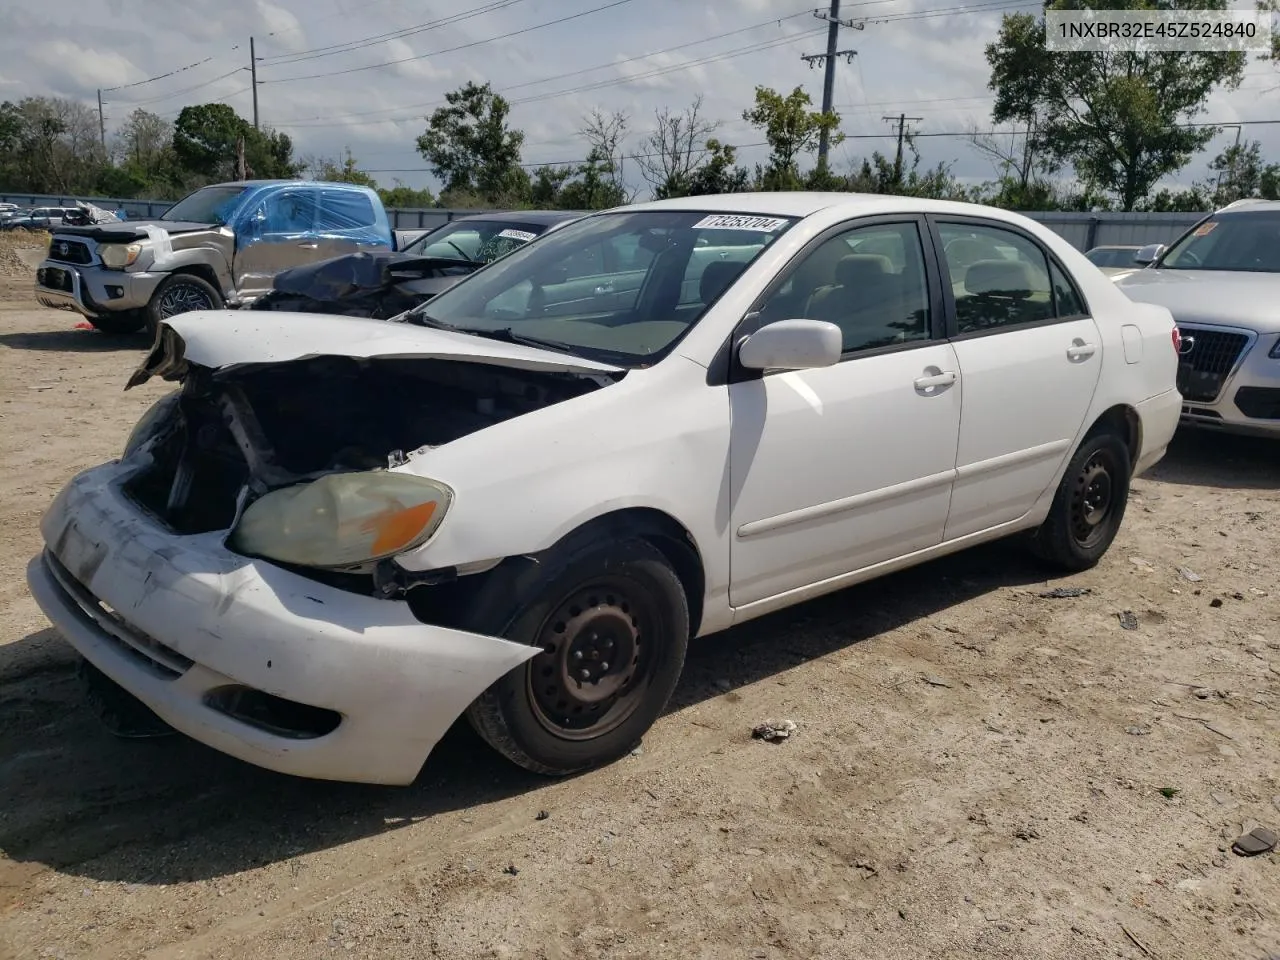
column 521, row 501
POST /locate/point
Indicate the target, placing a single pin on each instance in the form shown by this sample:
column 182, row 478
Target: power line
column 663, row 71
column 329, row 119
column 334, row 49
column 464, row 46
column 177, row 93
column 162, row 76
column 595, row 85
column 828, row 59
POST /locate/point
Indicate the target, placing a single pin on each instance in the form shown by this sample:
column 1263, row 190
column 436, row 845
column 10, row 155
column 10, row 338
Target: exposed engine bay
column 236, row 434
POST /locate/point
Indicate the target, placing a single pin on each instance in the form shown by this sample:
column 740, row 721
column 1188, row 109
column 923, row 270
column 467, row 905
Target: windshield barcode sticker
column 524, row 235
column 730, row 221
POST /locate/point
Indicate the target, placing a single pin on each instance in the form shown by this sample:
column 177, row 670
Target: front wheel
column 179, row 294
column 612, row 622
column 1088, row 506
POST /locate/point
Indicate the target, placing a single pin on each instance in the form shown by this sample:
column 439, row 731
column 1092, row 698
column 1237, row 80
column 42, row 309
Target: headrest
column 716, row 276
column 860, row 269
column 1005, row 278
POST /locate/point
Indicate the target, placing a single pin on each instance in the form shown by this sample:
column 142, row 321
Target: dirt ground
column 978, row 771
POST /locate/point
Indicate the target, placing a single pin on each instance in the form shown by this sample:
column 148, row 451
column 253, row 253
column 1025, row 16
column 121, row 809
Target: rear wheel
column 1088, row 506
column 179, row 294
column 612, row 622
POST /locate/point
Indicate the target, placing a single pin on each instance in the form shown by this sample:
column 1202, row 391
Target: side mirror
column 1148, row 254
column 792, row 345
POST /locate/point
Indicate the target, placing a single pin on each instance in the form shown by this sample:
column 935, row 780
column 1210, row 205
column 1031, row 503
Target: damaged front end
column 298, row 460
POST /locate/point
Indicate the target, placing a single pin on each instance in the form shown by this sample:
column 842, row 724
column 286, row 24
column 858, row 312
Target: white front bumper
column 129, row 594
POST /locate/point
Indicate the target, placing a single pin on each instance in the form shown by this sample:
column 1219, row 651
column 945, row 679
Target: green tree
column 1119, row 118
column 470, row 146
column 792, row 130
column 719, row 172
column 402, row 197
column 1240, row 173
column 50, row 145
column 206, row 140
column 882, row 174
column 344, row 169
column 205, row 137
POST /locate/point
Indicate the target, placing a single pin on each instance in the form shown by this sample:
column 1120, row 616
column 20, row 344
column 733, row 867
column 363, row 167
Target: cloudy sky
column 364, row 73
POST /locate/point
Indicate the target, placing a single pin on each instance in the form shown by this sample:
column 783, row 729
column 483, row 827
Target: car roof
column 807, row 203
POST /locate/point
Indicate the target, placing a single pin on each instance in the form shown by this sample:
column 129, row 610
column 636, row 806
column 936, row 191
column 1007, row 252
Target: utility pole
column 102, row 122
column 253, row 74
column 901, row 119
column 828, row 59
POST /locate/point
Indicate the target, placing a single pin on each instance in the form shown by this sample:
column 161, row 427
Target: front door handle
column 936, row 380
column 308, row 245
column 1079, row 350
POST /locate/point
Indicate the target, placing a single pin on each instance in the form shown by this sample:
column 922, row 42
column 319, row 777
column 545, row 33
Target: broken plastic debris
column 1190, row 575
column 1065, row 593
column 1256, row 841
column 1128, row 620
column 774, row 731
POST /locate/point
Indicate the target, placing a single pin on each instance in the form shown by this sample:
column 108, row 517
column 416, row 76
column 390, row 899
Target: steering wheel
column 1192, row 256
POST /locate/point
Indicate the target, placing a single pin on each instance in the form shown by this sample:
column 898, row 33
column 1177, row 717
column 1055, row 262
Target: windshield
column 209, row 205
column 478, row 241
column 1248, row 242
column 619, row 287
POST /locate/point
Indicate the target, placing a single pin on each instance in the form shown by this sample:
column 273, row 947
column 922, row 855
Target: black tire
column 180, row 294
column 1089, row 505
column 119, row 324
column 591, row 601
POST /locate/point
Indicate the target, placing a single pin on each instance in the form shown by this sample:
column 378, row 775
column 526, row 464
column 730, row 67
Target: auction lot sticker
column 734, row 221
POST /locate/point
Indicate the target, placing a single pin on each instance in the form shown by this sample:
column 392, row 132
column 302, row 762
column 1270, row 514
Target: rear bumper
column 1159, row 418
column 179, row 621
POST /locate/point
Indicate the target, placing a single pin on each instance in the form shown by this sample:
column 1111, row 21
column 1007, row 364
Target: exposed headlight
column 1275, row 351
column 155, row 418
column 117, row 256
column 343, row 520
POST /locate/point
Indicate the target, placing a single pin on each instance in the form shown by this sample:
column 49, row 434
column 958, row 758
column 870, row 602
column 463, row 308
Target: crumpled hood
column 1240, row 298
column 225, row 338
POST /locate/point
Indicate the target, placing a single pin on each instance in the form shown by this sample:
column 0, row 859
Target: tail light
column 1177, row 341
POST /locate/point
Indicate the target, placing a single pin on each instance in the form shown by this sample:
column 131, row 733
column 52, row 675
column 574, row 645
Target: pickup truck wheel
column 179, row 294
column 1088, row 506
column 119, row 324
column 612, row 620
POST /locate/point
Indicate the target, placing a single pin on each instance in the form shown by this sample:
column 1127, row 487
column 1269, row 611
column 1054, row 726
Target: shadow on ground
column 1210, row 459
column 166, row 811
column 75, row 798
column 72, row 340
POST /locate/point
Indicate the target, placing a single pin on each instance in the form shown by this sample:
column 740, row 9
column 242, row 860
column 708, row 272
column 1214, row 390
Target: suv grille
column 1203, row 370
column 70, row 251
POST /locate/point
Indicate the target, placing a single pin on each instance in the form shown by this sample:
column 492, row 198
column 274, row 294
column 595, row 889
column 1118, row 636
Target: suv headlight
column 117, row 256
column 343, row 519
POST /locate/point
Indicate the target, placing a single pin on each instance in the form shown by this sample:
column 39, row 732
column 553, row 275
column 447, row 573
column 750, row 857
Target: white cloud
column 89, row 68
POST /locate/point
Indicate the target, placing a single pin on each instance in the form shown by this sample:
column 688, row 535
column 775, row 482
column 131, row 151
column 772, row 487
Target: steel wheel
column 182, row 298
column 593, row 671
column 1093, row 499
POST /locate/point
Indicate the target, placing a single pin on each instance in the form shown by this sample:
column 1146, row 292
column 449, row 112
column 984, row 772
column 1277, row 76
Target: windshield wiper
column 508, row 335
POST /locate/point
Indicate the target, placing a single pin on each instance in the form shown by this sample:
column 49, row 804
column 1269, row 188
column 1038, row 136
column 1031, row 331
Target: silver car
column 1221, row 281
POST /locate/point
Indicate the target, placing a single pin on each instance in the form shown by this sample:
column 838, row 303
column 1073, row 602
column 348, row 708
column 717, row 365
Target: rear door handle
column 1079, row 350
column 937, row 380
column 308, row 245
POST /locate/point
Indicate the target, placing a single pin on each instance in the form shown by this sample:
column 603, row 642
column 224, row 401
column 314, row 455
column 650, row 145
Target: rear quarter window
column 342, row 210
